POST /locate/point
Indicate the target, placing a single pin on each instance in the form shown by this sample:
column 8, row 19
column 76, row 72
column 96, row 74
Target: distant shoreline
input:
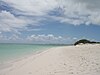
column 35, row 44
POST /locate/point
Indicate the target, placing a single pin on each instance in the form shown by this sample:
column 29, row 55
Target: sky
column 49, row 21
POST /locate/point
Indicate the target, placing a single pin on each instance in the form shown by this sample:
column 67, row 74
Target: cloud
column 91, row 4
column 40, row 38
column 32, row 7
column 35, row 29
column 14, row 37
column 37, row 39
column 48, row 39
column 8, row 21
column 11, row 38
column 75, row 12
column 19, row 14
column 11, row 23
column 43, row 37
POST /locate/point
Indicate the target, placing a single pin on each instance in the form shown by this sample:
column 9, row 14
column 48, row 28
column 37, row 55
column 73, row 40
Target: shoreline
column 8, row 63
column 58, row 60
column 31, row 51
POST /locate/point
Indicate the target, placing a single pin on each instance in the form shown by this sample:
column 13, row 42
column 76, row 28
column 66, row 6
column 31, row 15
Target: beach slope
column 67, row 60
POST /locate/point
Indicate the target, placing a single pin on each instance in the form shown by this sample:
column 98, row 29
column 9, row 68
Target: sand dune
column 67, row 60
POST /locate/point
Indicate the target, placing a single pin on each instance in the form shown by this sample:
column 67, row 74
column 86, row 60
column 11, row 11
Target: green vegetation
column 84, row 41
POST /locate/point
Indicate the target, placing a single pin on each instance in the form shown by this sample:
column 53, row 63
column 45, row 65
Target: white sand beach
column 65, row 60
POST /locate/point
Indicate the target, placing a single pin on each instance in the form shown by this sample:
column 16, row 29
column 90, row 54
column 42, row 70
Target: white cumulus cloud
column 40, row 38
column 50, row 38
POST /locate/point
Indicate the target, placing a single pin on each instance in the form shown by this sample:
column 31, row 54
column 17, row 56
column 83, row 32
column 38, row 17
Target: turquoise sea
column 11, row 51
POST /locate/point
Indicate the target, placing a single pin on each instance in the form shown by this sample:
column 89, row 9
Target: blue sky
column 49, row 21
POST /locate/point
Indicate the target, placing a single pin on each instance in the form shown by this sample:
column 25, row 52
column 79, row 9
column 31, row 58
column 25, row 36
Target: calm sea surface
column 11, row 51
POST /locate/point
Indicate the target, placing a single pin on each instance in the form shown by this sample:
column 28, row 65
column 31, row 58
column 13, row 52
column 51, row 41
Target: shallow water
column 11, row 51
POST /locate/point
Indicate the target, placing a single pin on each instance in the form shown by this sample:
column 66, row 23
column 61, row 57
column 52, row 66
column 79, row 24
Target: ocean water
column 11, row 51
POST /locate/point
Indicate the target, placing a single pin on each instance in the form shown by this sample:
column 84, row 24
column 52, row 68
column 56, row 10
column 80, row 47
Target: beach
column 65, row 60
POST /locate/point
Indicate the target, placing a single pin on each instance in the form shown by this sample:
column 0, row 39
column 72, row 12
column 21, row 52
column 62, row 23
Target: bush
column 83, row 41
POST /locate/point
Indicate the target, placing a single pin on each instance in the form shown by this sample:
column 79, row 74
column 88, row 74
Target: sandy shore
column 71, row 60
